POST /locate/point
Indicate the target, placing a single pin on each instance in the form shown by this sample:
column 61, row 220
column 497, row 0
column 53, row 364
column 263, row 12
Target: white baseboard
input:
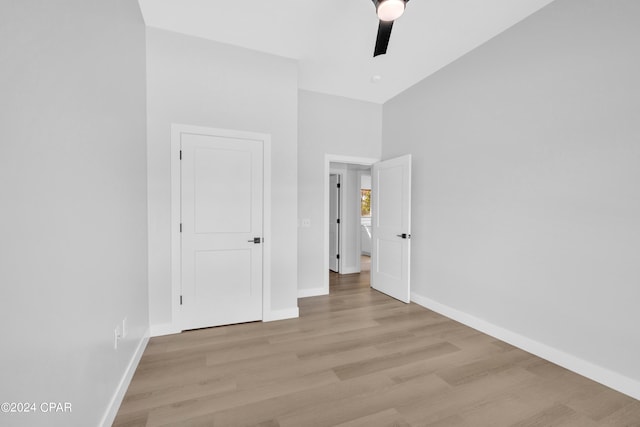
column 312, row 292
column 587, row 369
column 116, row 400
column 350, row 270
column 164, row 329
column 273, row 315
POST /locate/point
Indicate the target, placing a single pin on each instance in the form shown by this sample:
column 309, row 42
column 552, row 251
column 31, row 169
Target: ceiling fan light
column 390, row 10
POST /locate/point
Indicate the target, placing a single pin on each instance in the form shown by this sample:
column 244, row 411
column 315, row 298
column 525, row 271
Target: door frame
column 328, row 159
column 176, row 131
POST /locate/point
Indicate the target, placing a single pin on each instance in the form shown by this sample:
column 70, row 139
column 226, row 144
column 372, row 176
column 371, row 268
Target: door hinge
column 338, row 220
column 181, row 227
column 180, row 154
column 338, row 185
column 338, row 256
column 180, row 299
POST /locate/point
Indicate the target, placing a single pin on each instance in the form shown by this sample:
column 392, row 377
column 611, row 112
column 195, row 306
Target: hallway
column 353, row 281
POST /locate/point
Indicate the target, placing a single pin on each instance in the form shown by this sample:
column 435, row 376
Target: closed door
column 391, row 227
column 334, row 222
column 221, row 202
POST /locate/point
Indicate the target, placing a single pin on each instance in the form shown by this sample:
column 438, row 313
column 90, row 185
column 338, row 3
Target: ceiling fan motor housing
column 389, row 10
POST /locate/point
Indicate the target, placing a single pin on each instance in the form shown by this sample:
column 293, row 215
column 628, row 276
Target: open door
column 334, row 223
column 391, row 227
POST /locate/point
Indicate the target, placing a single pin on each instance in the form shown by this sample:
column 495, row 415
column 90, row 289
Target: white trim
column 597, row 373
column 175, row 226
column 266, row 227
column 288, row 313
column 116, row 400
column 351, row 270
column 163, row 329
column 176, row 131
column 311, row 292
column 328, row 159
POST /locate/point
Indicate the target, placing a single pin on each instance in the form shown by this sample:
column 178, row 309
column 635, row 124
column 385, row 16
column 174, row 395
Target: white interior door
column 334, row 222
column 391, row 227
column 221, row 202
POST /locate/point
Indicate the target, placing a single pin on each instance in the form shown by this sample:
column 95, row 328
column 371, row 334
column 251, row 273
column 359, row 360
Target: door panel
column 391, row 213
column 389, row 183
column 209, row 265
column 222, row 205
column 390, row 258
column 221, row 180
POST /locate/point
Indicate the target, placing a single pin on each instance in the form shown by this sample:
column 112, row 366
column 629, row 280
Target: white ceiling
column 333, row 40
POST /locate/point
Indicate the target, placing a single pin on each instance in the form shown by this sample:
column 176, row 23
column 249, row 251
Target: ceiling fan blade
column 382, row 41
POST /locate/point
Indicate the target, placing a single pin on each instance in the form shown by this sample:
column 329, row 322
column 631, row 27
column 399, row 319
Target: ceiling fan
column 387, row 11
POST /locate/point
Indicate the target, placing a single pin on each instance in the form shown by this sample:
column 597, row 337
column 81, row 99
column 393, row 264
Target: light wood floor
column 359, row 358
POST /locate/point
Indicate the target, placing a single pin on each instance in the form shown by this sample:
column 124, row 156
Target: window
column 365, row 202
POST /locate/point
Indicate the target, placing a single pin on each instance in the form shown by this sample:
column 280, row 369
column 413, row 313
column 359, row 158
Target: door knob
column 255, row 240
column 404, row 235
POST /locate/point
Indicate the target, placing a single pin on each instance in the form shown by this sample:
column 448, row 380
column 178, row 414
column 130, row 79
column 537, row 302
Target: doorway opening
column 390, row 201
column 349, row 223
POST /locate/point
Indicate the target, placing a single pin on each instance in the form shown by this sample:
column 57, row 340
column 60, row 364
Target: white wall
column 199, row 82
column 327, row 125
column 365, row 181
column 526, row 195
column 73, row 251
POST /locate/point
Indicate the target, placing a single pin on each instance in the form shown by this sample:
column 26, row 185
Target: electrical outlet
column 117, row 334
column 306, row 223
